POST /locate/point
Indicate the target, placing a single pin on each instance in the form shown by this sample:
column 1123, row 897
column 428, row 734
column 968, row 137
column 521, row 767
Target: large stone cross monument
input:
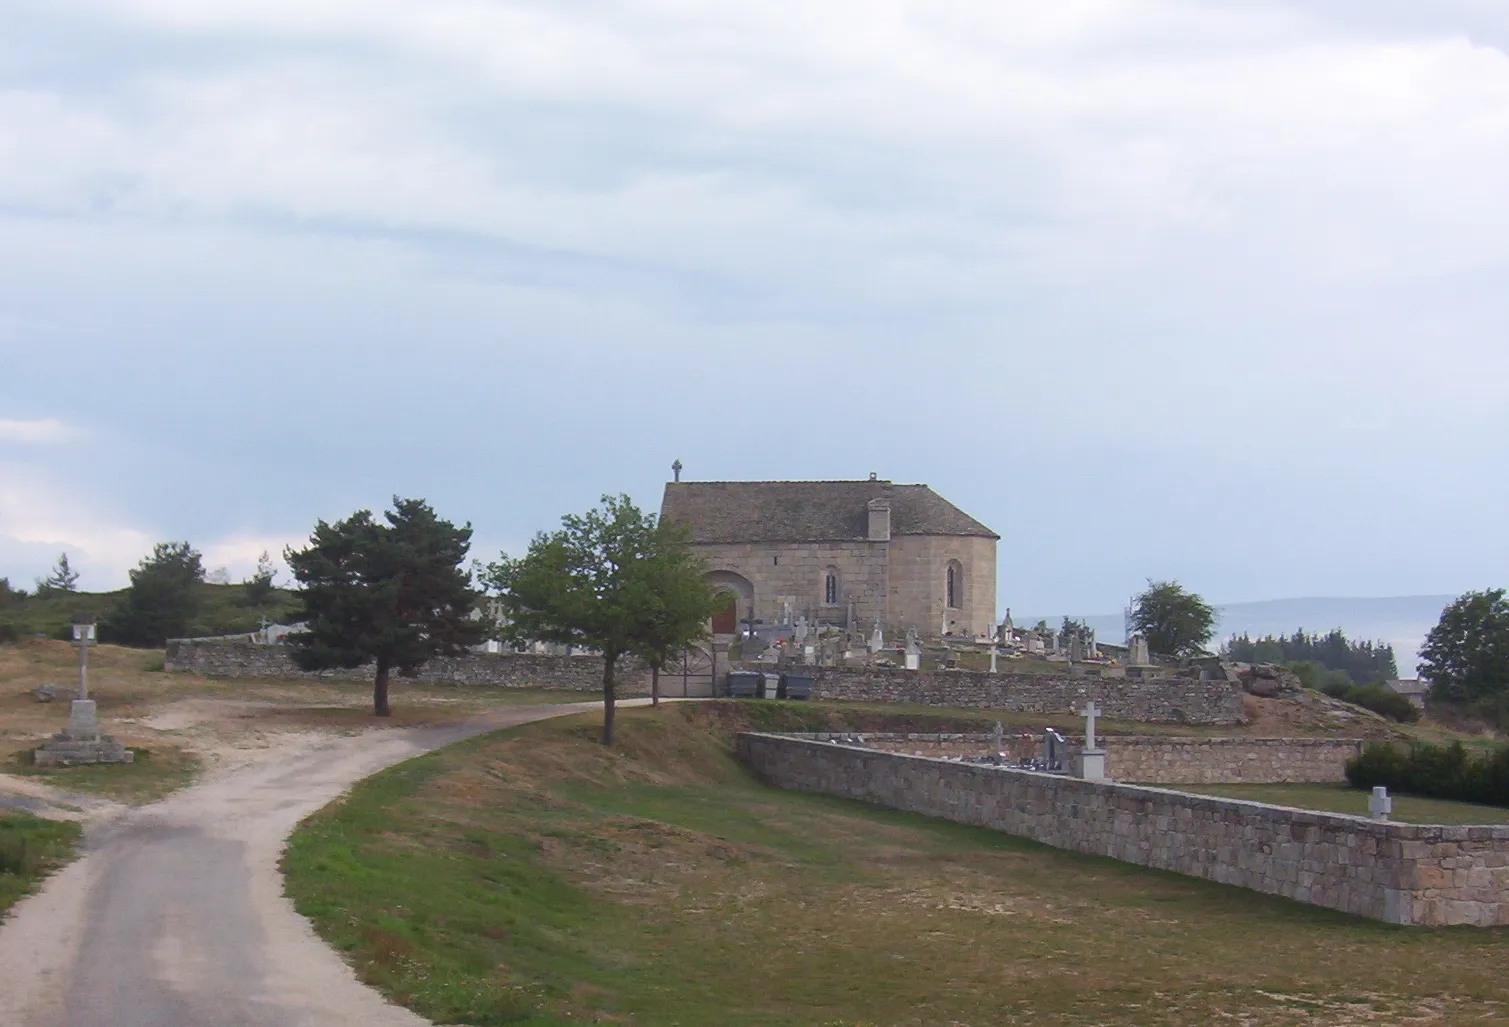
column 81, row 741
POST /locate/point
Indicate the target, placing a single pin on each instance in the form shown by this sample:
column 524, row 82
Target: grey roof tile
column 808, row 511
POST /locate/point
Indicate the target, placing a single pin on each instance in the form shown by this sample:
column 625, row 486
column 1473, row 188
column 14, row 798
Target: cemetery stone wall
column 1426, row 875
column 1158, row 760
column 1176, row 700
column 243, row 659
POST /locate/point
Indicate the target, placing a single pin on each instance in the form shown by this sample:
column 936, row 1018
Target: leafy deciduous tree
column 162, row 599
column 610, row 579
column 1175, row 621
column 1466, row 655
column 679, row 602
column 393, row 593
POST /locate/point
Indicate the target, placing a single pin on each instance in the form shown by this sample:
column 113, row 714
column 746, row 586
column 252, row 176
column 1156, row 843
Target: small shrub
column 1383, row 701
column 1310, row 673
column 155, row 665
column 1436, row 771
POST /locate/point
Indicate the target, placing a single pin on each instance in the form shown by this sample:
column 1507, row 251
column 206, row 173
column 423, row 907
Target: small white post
column 993, row 654
column 1379, row 803
column 82, row 633
column 1090, row 714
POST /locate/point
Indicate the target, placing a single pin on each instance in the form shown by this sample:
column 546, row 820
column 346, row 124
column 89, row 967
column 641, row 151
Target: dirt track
column 175, row 915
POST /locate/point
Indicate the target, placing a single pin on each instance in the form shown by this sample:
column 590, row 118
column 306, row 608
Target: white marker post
column 1379, row 803
column 83, row 720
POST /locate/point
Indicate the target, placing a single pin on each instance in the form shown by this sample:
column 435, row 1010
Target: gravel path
column 175, row 915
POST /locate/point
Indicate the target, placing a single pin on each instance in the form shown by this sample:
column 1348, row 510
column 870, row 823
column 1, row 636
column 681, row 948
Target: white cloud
column 47, row 430
column 38, row 520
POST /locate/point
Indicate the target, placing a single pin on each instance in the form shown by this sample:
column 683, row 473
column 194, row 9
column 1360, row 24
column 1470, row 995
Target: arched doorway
column 740, row 600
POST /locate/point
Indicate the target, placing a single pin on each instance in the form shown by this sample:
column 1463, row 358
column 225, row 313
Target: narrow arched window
column 830, row 589
column 954, row 585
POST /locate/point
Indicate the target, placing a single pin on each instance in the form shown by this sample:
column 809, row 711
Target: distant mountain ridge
column 1401, row 621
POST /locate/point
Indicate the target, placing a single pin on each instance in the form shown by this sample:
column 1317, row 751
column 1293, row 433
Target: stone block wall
column 1154, row 759
column 242, row 659
column 797, row 571
column 1187, row 761
column 918, row 585
column 1400, row 873
column 1175, row 700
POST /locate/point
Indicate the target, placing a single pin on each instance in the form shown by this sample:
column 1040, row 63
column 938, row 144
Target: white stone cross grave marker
column 993, row 653
column 1092, row 759
column 1379, row 803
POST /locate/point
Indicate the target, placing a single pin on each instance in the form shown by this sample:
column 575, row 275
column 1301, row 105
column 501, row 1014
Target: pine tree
column 62, row 579
column 390, row 593
column 260, row 585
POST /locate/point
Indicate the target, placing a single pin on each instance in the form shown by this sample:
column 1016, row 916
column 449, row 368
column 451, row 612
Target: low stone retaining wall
column 1399, row 873
column 242, row 659
column 1176, row 700
column 1154, row 759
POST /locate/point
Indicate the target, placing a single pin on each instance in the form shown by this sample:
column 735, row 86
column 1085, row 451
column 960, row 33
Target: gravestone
column 1076, row 649
column 1094, row 650
column 1137, row 654
column 913, row 655
column 1379, row 803
column 997, row 739
column 993, row 654
column 801, row 628
column 1092, row 760
column 877, row 639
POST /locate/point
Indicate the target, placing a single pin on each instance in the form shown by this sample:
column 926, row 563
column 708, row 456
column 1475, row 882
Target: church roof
column 808, row 511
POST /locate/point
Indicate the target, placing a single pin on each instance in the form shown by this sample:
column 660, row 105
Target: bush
column 1436, row 771
column 1310, row 673
column 1383, row 701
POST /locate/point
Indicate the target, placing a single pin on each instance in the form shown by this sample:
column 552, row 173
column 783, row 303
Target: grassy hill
column 533, row 877
column 223, row 610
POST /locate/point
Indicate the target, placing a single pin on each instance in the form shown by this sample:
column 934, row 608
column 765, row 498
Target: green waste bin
column 743, row 684
column 796, row 686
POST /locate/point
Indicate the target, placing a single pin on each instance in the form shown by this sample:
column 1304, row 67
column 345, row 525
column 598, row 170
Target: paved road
column 175, row 915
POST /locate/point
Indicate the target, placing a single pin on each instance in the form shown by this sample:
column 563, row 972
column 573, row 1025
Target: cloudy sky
column 1214, row 291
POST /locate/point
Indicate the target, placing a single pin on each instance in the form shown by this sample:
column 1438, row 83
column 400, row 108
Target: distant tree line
column 1363, row 662
column 167, row 598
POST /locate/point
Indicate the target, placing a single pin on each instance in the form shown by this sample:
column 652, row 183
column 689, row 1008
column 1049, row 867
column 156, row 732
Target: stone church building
column 876, row 551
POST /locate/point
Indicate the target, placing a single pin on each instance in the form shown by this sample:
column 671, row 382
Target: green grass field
column 533, row 877
column 1408, row 809
column 30, row 849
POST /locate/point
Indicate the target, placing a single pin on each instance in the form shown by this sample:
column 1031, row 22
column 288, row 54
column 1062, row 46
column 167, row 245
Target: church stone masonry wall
column 242, row 659
column 797, row 570
column 1176, row 700
column 1424, row 875
column 918, row 593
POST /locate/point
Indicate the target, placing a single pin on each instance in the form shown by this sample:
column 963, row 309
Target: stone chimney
column 880, row 520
